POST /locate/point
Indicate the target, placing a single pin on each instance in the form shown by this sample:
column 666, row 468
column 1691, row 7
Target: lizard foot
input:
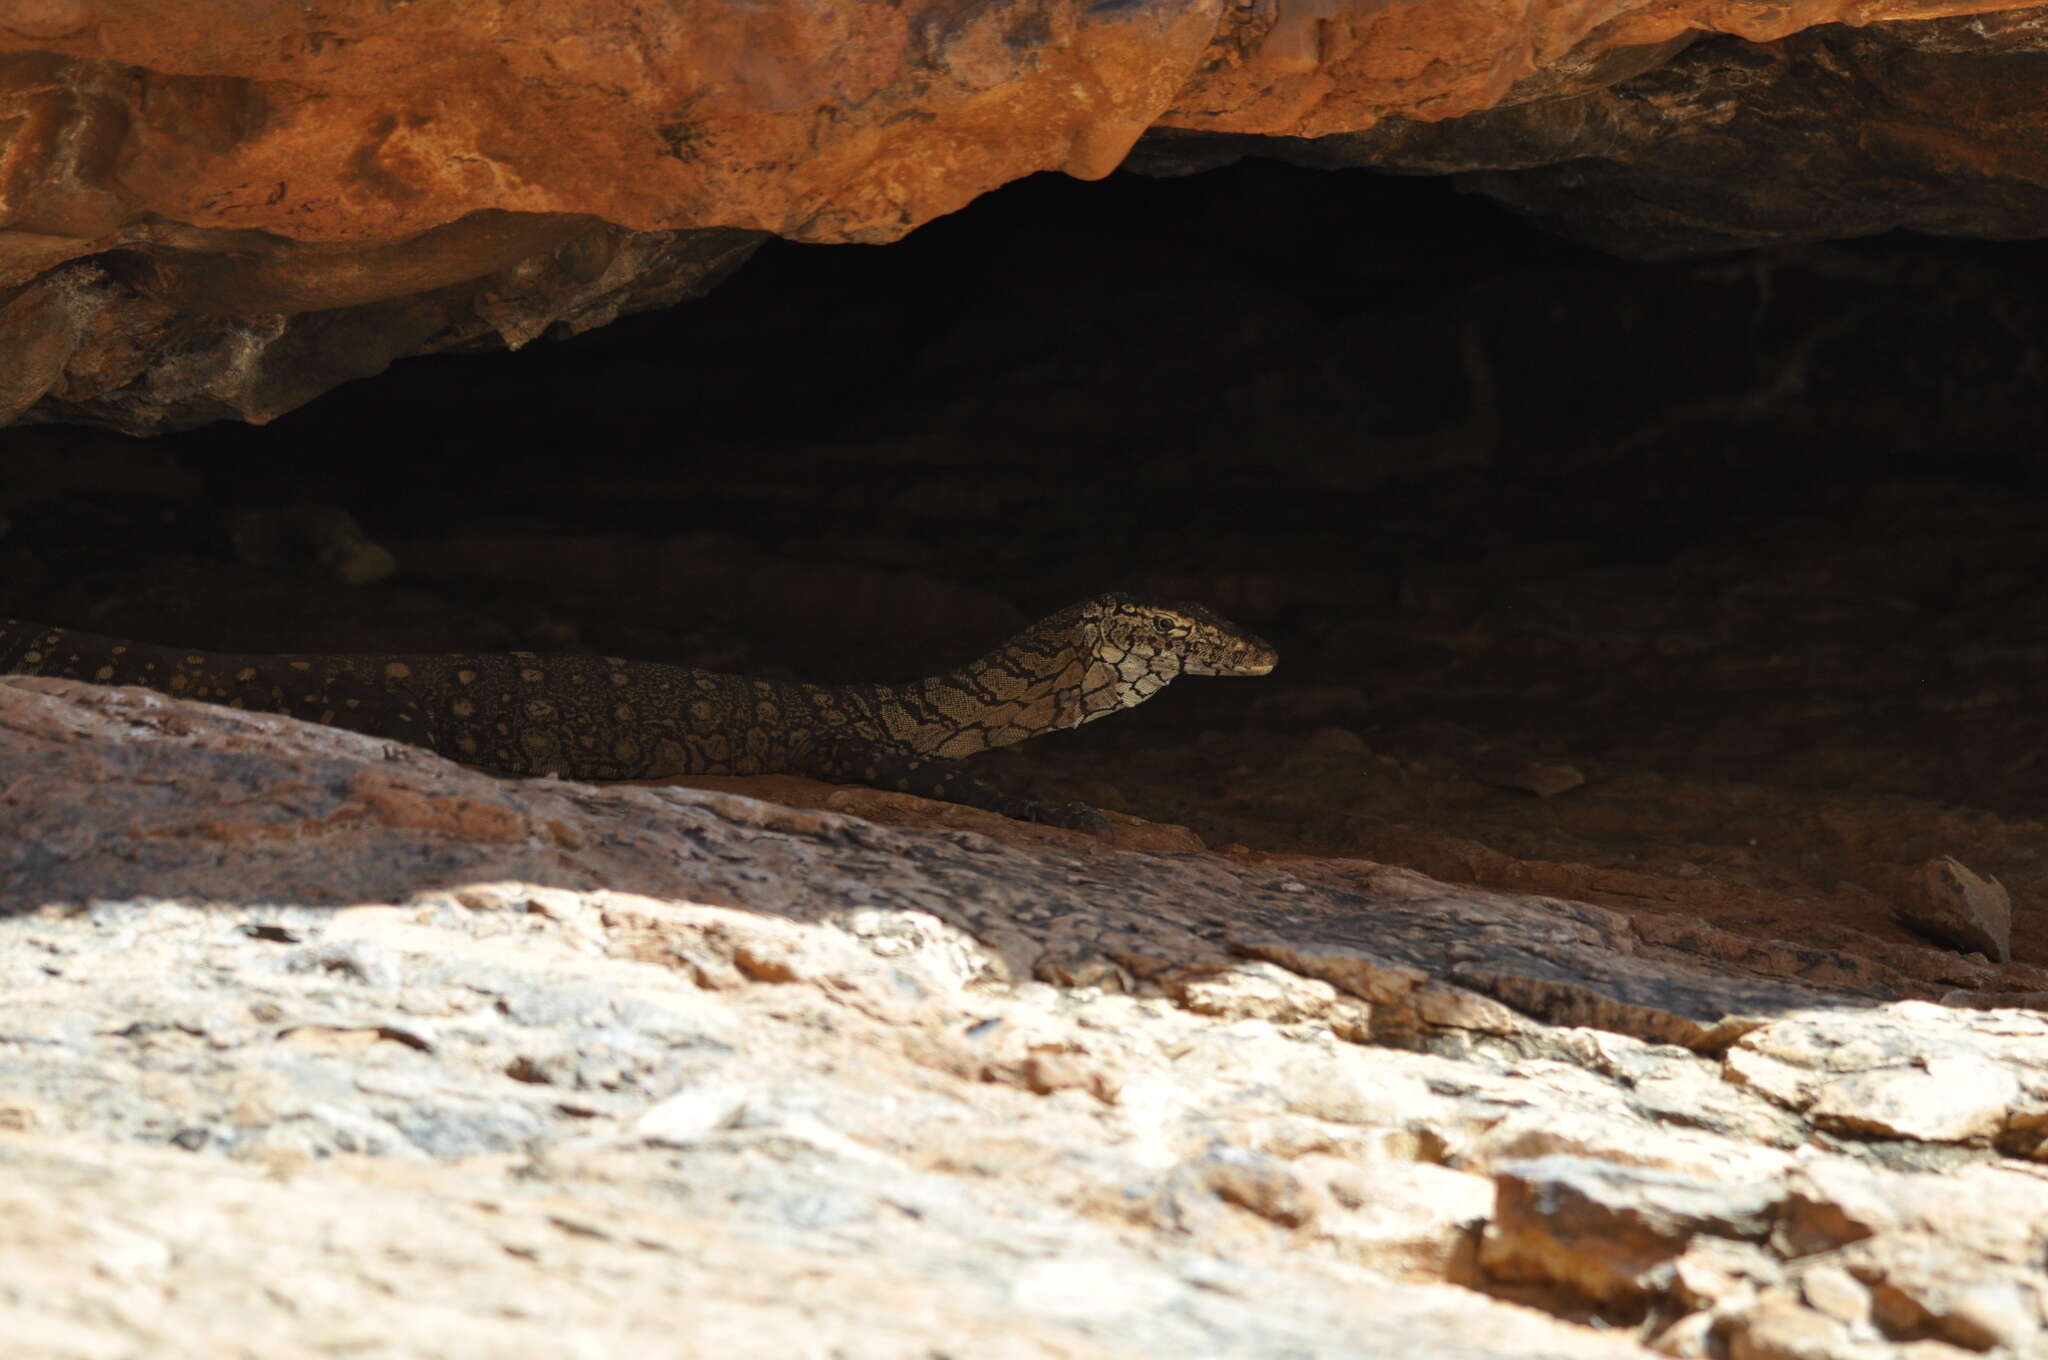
column 1075, row 816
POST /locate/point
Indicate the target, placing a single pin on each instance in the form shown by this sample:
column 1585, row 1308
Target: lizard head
column 1087, row 661
column 1164, row 638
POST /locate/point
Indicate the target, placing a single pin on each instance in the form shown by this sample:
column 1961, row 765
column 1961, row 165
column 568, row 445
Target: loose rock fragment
column 1541, row 778
column 1958, row 908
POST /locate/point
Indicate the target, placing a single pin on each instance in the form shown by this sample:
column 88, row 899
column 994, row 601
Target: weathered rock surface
column 265, row 326
column 202, row 220
column 374, row 1055
column 1831, row 133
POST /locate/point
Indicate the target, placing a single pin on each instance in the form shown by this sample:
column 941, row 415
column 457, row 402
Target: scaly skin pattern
column 587, row 717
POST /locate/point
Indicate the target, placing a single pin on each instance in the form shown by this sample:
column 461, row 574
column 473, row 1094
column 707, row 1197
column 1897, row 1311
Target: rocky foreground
column 318, row 1046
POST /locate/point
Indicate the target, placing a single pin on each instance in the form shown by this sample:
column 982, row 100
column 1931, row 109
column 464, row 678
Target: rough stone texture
column 263, row 326
column 202, row 219
column 375, row 1055
column 1837, row 132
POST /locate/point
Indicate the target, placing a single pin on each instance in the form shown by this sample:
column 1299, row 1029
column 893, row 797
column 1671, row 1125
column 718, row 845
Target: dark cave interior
column 1746, row 541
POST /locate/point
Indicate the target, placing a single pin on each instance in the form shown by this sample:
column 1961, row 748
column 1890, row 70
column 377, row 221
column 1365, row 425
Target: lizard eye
column 1164, row 625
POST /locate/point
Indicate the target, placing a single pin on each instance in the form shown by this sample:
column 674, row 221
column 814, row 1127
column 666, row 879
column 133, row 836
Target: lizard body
column 587, row 717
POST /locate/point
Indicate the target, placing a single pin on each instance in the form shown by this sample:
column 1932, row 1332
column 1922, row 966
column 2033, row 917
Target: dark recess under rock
column 1749, row 542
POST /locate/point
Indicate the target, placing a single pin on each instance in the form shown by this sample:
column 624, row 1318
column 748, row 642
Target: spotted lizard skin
column 589, row 717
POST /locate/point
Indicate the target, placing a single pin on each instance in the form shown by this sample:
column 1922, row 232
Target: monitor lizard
column 597, row 718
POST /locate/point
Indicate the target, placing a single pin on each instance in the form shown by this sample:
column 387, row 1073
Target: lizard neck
column 1040, row 681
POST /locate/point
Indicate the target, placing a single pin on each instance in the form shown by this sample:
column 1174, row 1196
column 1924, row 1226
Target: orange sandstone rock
column 506, row 167
column 827, row 122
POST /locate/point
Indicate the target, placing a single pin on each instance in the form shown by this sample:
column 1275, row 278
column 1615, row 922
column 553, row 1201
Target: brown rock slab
column 1425, row 955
